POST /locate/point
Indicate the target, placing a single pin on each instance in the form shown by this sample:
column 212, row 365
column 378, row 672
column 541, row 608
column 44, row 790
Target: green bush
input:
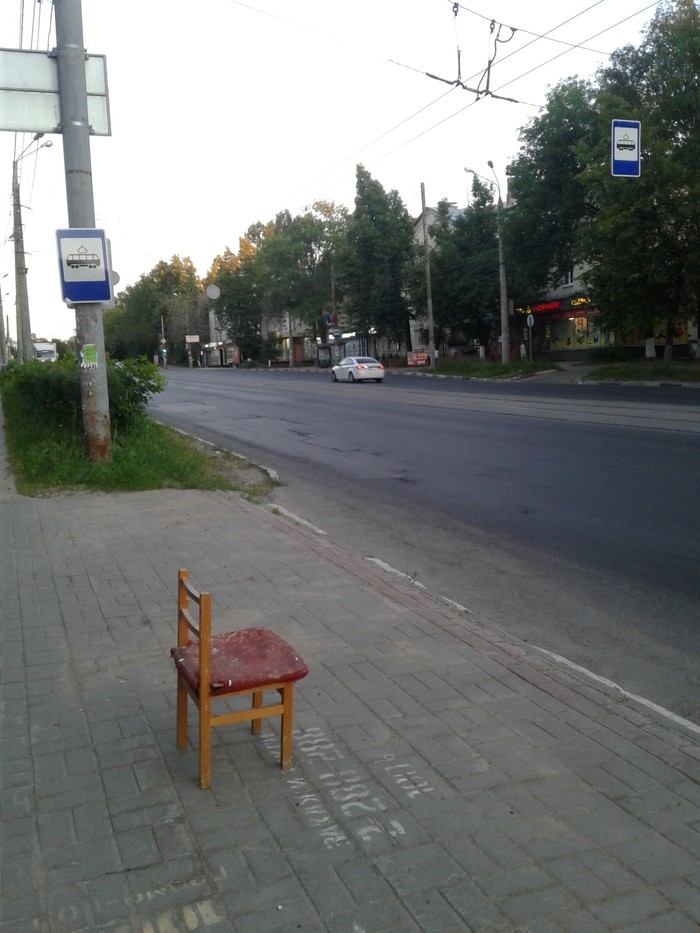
column 131, row 383
column 603, row 355
column 50, row 392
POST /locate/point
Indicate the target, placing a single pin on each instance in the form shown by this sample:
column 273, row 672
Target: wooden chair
column 246, row 662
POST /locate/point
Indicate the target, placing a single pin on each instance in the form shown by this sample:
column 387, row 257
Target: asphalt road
column 566, row 515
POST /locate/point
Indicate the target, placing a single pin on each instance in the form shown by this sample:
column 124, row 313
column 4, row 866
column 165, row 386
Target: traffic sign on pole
column 84, row 261
column 625, row 146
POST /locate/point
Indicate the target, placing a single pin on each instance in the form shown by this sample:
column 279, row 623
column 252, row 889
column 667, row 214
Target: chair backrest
column 198, row 625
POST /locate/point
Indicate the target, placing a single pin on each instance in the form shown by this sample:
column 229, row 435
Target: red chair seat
column 241, row 660
column 252, row 662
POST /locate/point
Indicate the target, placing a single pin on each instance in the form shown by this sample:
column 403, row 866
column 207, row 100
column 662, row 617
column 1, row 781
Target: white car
column 358, row 369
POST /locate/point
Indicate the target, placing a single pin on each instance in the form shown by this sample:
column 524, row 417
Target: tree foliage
column 166, row 300
column 464, row 267
column 637, row 238
column 238, row 306
column 376, row 261
column 641, row 237
column 549, row 200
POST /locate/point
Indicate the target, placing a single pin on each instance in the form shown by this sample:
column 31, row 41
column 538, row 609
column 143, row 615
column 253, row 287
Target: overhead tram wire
column 517, row 78
column 548, row 36
column 376, row 140
column 571, row 47
column 34, row 45
column 454, row 5
column 575, row 47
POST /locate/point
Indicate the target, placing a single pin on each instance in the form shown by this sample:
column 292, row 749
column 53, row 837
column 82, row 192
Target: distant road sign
column 625, row 146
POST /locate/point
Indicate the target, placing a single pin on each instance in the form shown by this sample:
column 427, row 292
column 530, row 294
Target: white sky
column 225, row 112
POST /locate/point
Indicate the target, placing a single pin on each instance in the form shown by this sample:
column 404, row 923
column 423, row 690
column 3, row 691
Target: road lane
column 568, row 519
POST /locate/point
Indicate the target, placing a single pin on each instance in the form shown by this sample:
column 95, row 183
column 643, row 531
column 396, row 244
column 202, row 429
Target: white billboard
column 29, row 95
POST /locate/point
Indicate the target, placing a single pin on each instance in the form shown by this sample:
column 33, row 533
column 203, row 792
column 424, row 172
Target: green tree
column 284, row 267
column 641, row 236
column 238, row 307
column 327, row 223
column 130, row 326
column 376, row 261
column 165, row 300
column 540, row 227
column 638, row 239
column 464, row 267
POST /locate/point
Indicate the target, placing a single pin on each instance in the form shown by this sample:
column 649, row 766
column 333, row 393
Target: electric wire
column 570, row 47
column 507, row 84
column 29, row 165
column 546, row 35
column 456, row 7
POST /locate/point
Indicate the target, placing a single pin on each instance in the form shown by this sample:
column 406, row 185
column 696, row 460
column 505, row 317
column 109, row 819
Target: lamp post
column 502, row 282
column 24, row 331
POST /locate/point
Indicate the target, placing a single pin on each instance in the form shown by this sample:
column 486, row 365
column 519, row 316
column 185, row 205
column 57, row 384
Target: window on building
column 567, row 280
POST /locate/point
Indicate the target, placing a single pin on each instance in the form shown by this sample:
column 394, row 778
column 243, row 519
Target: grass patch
column 471, row 367
column 648, row 371
column 44, row 437
column 48, row 458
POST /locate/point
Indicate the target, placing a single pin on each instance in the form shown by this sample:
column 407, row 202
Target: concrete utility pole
column 503, row 286
column 428, row 289
column 75, row 129
column 24, row 336
column 24, row 328
column 3, row 341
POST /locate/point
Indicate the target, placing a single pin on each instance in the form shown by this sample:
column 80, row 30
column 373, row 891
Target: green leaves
column 464, row 268
column 167, row 299
column 637, row 238
column 376, row 261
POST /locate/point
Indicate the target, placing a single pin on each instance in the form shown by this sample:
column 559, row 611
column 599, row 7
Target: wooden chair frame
column 199, row 625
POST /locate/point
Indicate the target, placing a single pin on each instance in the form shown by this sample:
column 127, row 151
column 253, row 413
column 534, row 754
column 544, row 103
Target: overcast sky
column 226, row 112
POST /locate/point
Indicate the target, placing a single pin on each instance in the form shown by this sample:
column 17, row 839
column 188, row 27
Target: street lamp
column 503, row 286
column 24, row 332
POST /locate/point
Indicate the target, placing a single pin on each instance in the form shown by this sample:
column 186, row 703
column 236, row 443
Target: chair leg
column 181, row 713
column 287, row 693
column 204, row 745
column 256, row 724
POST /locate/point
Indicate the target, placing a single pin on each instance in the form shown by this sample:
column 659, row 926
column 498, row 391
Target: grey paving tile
column 440, row 781
column 628, row 909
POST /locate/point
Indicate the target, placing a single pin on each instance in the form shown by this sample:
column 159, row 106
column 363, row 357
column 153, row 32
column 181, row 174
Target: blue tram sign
column 625, row 144
column 84, row 261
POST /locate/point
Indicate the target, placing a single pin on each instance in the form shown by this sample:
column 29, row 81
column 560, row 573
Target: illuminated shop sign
column 547, row 306
column 579, row 302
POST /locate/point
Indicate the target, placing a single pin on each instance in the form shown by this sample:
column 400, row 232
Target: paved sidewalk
column 445, row 778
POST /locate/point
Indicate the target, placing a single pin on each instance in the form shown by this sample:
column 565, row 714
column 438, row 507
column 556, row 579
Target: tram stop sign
column 84, row 261
column 625, row 145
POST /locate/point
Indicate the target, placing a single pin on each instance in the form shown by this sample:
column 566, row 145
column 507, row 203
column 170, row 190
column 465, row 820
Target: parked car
column 358, row 369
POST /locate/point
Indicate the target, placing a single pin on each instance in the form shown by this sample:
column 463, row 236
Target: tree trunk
column 668, row 346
